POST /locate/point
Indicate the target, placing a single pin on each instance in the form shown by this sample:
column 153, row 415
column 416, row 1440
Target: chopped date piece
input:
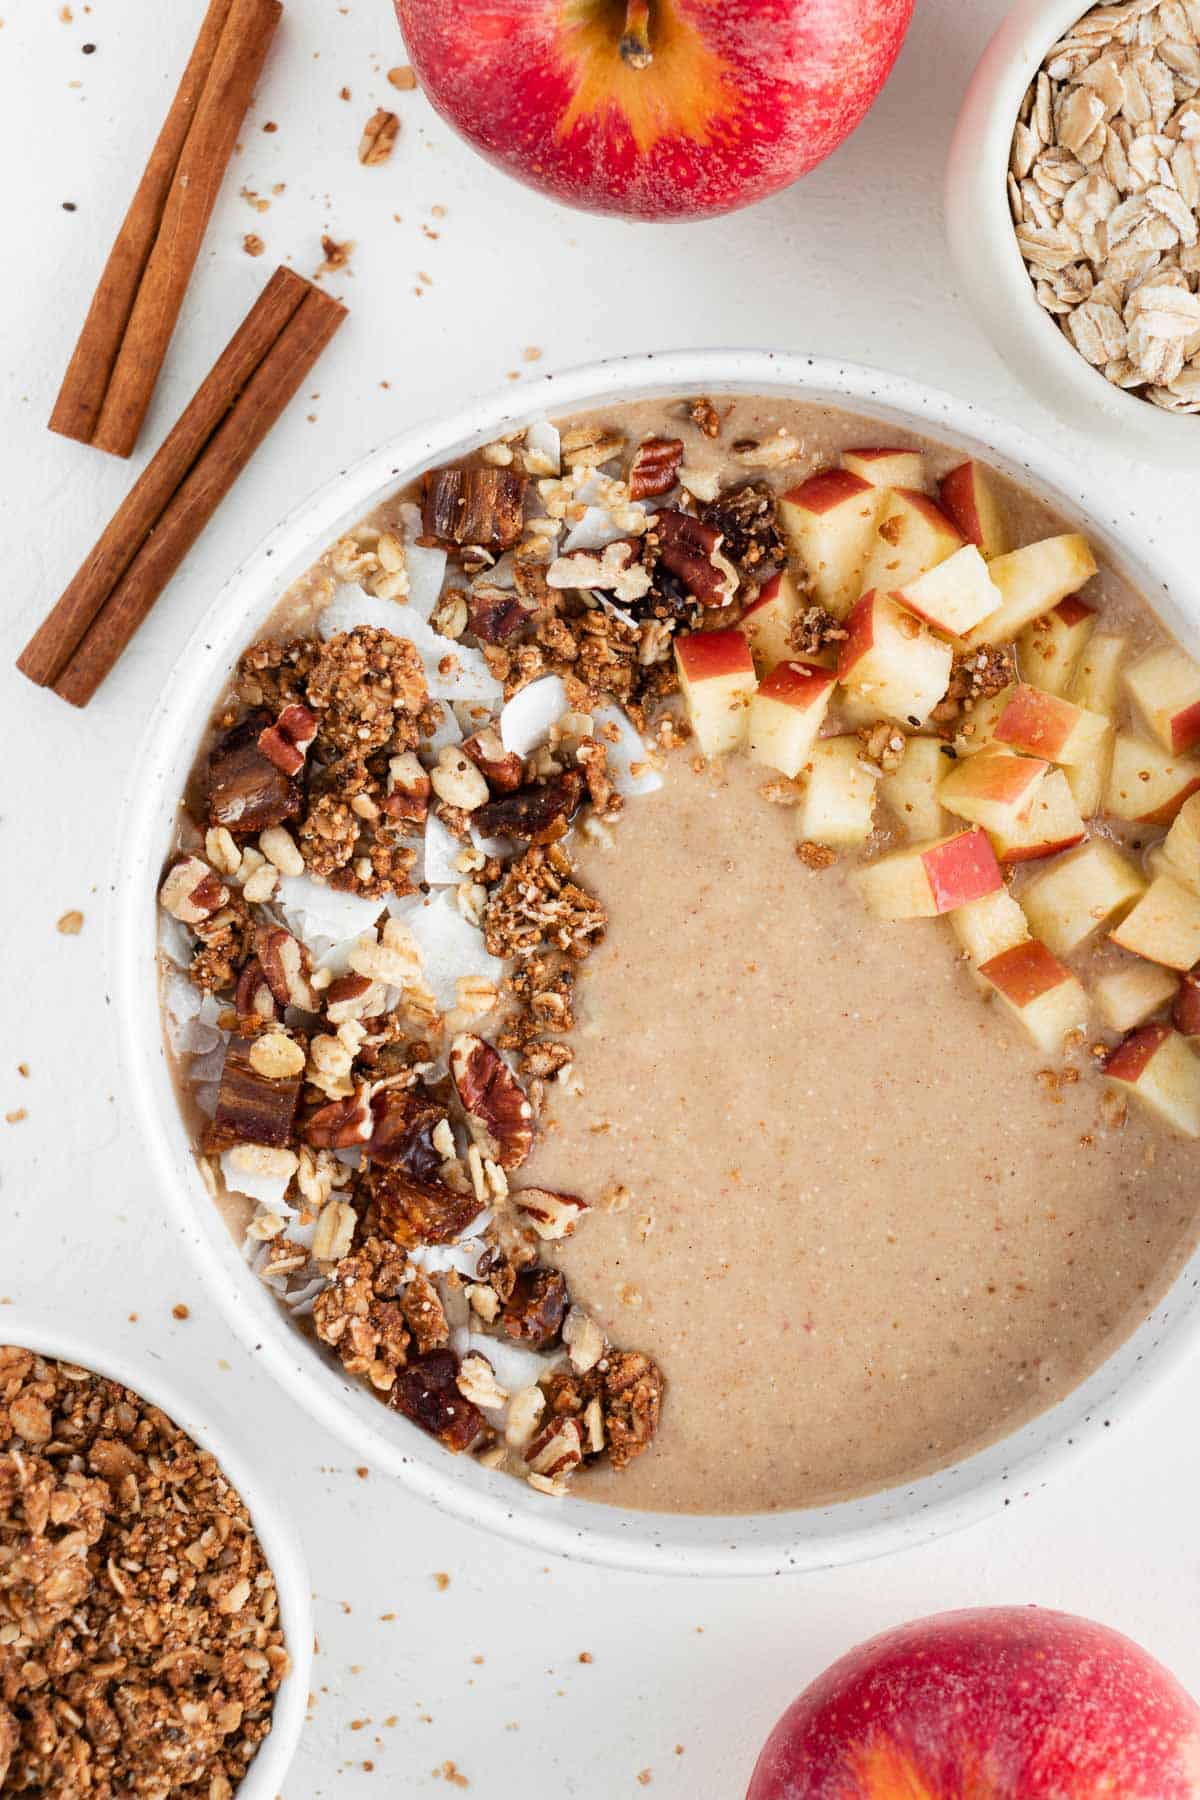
column 411, row 1211
column 745, row 517
column 690, row 549
column 496, row 614
column 534, row 1312
column 534, row 815
column 427, row 1393
column 633, row 1391
column 473, row 504
column 403, row 1123
column 286, row 742
column 251, row 1108
column 246, row 791
column 499, row 1116
column 655, row 467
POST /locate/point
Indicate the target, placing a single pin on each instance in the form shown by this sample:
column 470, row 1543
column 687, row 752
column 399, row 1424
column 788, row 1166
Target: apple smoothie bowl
column 678, row 955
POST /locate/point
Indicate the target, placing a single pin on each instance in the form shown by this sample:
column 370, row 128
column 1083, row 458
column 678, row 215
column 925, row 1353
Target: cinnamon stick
column 112, row 373
column 168, row 507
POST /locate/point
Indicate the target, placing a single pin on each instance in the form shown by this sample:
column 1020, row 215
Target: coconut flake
column 268, row 1190
column 593, row 531
column 449, row 945
column 515, row 1368
column 544, row 445
column 441, row 848
column 629, row 750
column 315, row 912
column 174, row 939
column 526, row 719
column 424, row 564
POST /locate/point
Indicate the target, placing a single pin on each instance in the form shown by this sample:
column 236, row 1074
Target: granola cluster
column 140, row 1647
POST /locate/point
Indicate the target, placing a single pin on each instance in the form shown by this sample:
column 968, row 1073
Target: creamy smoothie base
column 807, row 1214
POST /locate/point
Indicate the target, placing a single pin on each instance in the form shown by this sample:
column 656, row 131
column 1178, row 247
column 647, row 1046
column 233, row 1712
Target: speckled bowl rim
column 33, row 1329
column 684, row 1544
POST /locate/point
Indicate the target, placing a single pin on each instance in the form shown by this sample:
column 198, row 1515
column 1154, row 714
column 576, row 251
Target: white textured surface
column 849, row 263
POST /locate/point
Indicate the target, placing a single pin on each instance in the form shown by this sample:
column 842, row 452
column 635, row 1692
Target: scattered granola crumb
column 344, row 93
column 23, row 1070
column 531, row 353
column 585, row 1656
column 252, row 244
column 402, row 77
column 71, row 923
column 441, row 1580
column 645, row 1777
column 255, row 200
column 180, row 1311
column 816, row 856
column 337, row 256
column 451, row 1772
column 15, row 1117
column 270, row 126
column 362, row 1473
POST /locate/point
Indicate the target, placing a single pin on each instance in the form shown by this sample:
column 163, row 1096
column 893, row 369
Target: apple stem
column 635, row 39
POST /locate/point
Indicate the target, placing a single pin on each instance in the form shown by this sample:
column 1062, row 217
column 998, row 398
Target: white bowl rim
column 984, row 247
column 684, row 1544
column 34, row 1329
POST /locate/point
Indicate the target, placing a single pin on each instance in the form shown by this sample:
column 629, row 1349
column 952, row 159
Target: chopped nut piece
column 378, row 138
column 70, row 924
column 704, row 416
column 477, row 1381
column 497, row 1110
column 192, row 892
column 457, row 780
column 655, row 467
column 552, row 1216
column 584, row 1340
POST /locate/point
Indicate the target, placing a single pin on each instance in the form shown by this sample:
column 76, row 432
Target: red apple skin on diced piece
column 1157, row 1065
column 1042, row 993
column 767, row 623
column 1041, row 724
column 1186, row 1008
column 896, row 664
column 1050, row 648
column 1032, row 580
column 962, row 868
column 1052, row 824
column 1165, row 688
column 994, row 789
column 1146, row 784
column 913, row 535
column 787, row 713
column 716, row 674
column 887, row 468
column 830, row 522
column 968, row 495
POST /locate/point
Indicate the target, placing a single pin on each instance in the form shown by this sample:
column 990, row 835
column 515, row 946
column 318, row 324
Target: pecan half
column 403, row 1123
column 534, row 1312
column 253, row 997
column 655, row 467
column 408, row 789
column 412, row 1211
column 427, row 1392
column 246, row 792
column 285, row 966
column 286, row 742
column 691, row 549
column 339, row 1124
column 557, row 1449
column 502, row 769
column 535, row 815
column 499, row 1115
column 551, row 1215
column 495, row 613
column 191, row 891
column 473, row 505
column 251, row 1108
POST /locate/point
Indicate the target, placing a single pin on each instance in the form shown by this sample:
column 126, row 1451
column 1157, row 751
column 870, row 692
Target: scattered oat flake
column 15, row 1117
column 378, row 138
column 252, row 244
column 402, row 77
column 71, row 923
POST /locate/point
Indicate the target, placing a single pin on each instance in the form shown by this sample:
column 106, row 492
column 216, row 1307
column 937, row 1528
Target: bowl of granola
column 576, row 877
column 103, row 1469
column 1072, row 210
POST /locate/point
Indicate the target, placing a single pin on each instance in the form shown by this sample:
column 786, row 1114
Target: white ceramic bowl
column 35, row 1331
column 679, row 1544
column 995, row 280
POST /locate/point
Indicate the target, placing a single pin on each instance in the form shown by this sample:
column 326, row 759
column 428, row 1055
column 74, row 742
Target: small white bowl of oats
column 1073, row 213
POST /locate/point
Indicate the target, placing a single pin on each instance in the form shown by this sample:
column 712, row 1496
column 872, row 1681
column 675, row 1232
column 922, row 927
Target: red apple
column 1001, row 1703
column 659, row 109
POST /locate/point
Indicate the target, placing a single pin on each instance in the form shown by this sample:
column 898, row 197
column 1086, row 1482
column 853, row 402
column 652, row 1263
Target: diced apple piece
column 1164, row 926
column 1158, row 1067
column 1039, row 991
column 1096, row 679
column 838, row 805
column 913, row 535
column 767, row 623
column 1040, row 724
column 1053, row 824
column 716, row 674
column 1050, row 648
column 892, row 661
column 1147, row 784
column 1165, row 688
column 887, row 468
column 990, row 925
column 787, row 713
column 928, row 879
column 953, row 596
column 968, row 495
column 1070, row 902
column 978, row 722
column 1185, row 1013
column 911, row 789
column 1031, row 581
column 1131, row 994
column 1087, row 780
column 1181, row 846
column 830, row 521
column 993, row 789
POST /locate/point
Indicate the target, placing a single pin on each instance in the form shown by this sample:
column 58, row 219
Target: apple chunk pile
column 1020, row 812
